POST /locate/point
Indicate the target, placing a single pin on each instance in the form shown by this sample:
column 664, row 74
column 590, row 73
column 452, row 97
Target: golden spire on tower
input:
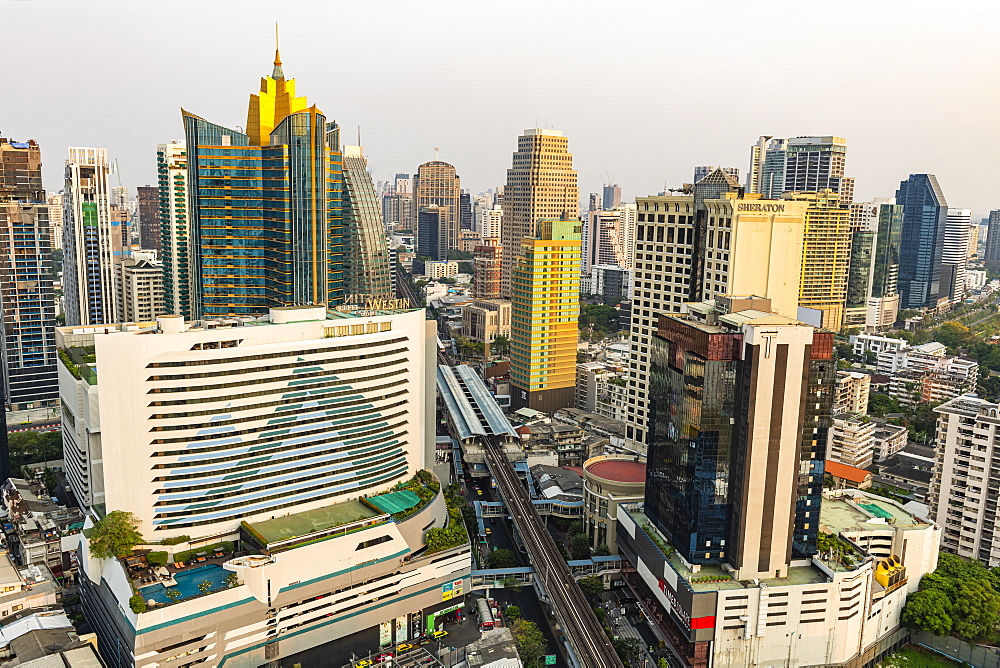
column 275, row 101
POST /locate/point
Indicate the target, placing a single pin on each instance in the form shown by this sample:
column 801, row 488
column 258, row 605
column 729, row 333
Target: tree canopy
column 115, row 535
column 501, row 559
column 960, row 598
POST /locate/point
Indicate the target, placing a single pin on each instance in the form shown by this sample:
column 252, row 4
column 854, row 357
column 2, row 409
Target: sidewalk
column 47, row 414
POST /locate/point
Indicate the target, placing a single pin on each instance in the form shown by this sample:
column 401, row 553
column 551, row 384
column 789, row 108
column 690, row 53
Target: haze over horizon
column 643, row 91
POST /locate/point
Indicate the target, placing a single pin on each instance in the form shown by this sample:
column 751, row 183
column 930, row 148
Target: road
column 34, row 426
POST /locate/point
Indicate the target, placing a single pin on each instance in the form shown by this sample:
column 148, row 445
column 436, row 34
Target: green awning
column 395, row 502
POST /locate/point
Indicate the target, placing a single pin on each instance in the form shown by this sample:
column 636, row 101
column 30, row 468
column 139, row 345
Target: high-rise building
column 92, row 241
column 991, row 254
column 961, row 498
column 541, row 184
column 701, row 171
column 724, row 483
column 175, row 229
column 140, row 285
column 27, row 325
column 437, row 184
column 545, row 298
column 859, row 278
column 804, row 164
column 607, row 237
column 120, row 198
column 430, row 239
column 270, row 236
column 955, row 253
column 366, row 252
column 751, row 246
column 148, row 208
column 594, row 202
column 826, row 255
column 398, row 212
column 486, row 263
column 925, row 213
column 612, row 196
column 55, row 202
column 302, row 482
column 465, row 210
column 491, row 223
column 853, row 390
column 883, row 304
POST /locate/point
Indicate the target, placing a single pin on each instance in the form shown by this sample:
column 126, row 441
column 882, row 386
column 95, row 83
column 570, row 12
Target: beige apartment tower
column 437, row 184
column 541, row 183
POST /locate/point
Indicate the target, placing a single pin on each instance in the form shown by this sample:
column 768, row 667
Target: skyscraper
column 612, row 196
column 739, row 412
column 925, row 213
column 148, row 209
column 436, row 183
column 826, row 255
column 545, row 298
column 55, row 202
column 175, row 229
column 607, row 237
column 271, row 235
column 991, row 255
column 366, row 252
column 803, row 164
column 465, row 210
column 541, row 184
column 430, row 238
column 92, row 240
column 28, row 320
column 884, row 301
column 140, row 288
column 398, row 212
column 955, row 254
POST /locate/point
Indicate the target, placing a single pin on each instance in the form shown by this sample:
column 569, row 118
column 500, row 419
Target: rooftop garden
column 438, row 539
column 81, row 362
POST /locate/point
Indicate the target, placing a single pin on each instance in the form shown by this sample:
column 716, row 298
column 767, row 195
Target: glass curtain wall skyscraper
column 266, row 206
column 366, row 256
column 925, row 213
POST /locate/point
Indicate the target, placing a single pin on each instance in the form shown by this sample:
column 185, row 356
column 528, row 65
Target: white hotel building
column 258, row 437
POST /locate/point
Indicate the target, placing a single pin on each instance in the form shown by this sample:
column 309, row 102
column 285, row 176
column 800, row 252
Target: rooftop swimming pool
column 187, row 583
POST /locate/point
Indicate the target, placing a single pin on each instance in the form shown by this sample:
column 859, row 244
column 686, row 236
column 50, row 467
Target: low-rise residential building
column 846, row 476
column 22, row 588
column 917, row 358
column 560, row 487
column 486, row 319
column 852, row 393
column 591, row 378
column 909, row 471
column 952, row 377
column 44, row 638
column 889, row 439
column 440, row 268
column 851, row 440
column 565, row 439
column 41, row 531
column 873, row 343
column 963, row 489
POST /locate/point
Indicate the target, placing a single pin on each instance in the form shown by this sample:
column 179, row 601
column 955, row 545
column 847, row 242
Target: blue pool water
column 187, row 583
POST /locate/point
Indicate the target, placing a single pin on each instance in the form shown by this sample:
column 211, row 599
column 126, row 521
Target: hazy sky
column 644, row 90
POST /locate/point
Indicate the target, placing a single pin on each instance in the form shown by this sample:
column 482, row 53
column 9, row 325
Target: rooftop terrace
column 291, row 530
column 858, row 511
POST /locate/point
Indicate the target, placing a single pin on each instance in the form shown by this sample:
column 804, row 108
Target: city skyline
column 889, row 53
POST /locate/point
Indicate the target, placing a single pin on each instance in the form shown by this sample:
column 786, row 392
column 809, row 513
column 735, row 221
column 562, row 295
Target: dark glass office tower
column 739, row 412
column 885, row 270
column 859, row 273
column 266, row 206
column 925, row 214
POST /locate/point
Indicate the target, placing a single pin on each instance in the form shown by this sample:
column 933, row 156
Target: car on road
column 383, row 657
column 363, row 663
column 405, row 647
column 488, row 532
column 479, row 491
column 424, row 640
column 440, row 634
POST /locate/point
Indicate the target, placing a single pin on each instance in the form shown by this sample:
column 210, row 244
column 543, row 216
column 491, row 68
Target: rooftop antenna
column 436, row 150
column 359, row 136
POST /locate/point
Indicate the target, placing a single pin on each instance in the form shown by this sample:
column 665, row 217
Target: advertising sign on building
column 402, row 630
column 385, row 634
column 446, row 591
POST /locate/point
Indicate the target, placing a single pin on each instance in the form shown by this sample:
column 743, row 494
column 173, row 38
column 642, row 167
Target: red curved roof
column 619, row 470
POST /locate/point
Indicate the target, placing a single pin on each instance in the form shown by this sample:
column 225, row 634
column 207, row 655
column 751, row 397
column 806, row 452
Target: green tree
column 511, row 583
column 115, row 535
column 880, row 404
column 232, row 580
column 579, row 547
column 501, row 559
column 592, row 586
column 500, row 346
column 928, row 610
column 602, row 550
column 976, row 611
column 513, row 612
column 575, row 527
column 137, row 603
column 924, row 420
column 530, row 642
column 629, row 650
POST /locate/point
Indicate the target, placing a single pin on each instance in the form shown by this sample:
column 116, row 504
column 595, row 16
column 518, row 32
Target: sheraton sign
column 760, row 206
